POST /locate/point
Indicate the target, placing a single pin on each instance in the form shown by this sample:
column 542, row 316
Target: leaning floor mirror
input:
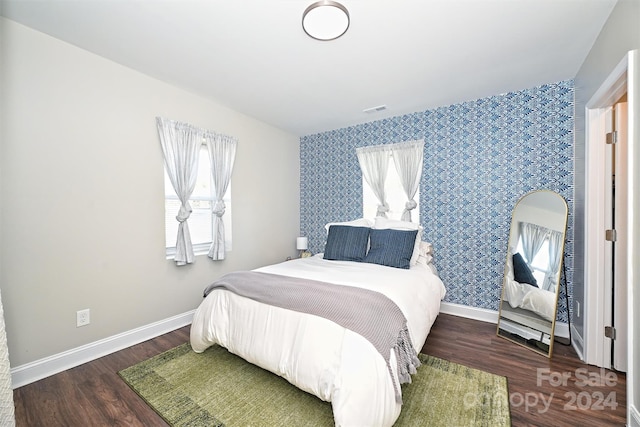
column 531, row 283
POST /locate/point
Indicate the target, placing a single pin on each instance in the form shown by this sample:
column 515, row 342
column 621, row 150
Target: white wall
column 82, row 212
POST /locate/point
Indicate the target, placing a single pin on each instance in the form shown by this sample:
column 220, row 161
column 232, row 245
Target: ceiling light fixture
column 325, row 20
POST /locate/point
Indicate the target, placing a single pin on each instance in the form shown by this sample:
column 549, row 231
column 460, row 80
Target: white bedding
column 532, row 298
column 315, row 354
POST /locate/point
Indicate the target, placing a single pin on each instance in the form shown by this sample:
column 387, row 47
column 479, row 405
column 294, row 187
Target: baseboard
column 39, row 369
column 489, row 316
column 578, row 342
column 475, row 313
column 634, row 417
column 562, row 329
column 524, row 332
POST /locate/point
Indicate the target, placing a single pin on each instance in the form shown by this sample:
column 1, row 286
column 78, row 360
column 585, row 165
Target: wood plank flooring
column 571, row 389
column 94, row 395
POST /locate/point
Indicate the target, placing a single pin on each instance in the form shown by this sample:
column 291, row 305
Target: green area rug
column 217, row 388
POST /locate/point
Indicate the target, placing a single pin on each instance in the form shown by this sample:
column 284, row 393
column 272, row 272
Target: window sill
column 198, row 250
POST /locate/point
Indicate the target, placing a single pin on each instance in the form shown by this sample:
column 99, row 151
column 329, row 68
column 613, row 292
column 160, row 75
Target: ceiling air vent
column 375, row 109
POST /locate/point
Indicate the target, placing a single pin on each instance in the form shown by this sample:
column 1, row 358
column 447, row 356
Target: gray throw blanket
column 368, row 313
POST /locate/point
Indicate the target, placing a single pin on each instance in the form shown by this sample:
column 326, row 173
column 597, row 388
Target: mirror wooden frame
column 525, row 316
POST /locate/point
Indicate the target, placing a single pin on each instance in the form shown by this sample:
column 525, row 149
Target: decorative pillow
column 392, row 248
column 521, row 271
column 345, row 243
column 360, row 222
column 394, row 224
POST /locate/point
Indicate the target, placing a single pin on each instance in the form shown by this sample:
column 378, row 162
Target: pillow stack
column 384, row 241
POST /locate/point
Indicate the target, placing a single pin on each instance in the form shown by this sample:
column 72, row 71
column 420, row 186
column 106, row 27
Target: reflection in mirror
column 531, row 280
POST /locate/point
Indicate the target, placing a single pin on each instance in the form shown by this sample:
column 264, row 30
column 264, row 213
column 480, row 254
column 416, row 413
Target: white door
column 608, row 209
column 615, row 208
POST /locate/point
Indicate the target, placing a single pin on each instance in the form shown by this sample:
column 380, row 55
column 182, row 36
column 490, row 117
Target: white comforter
column 528, row 297
column 315, row 354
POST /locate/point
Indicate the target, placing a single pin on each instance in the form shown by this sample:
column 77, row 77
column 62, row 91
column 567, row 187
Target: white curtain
column 222, row 153
column 533, row 237
column 407, row 157
column 555, row 245
column 374, row 162
column 180, row 146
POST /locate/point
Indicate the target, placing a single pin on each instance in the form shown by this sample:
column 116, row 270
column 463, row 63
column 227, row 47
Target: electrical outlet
column 83, row 317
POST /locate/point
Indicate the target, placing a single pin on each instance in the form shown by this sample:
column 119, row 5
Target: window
column 394, row 193
column 201, row 219
column 540, row 264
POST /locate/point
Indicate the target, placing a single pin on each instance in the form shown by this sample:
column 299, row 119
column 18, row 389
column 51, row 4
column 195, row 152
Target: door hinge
column 610, row 332
column 610, row 235
column 612, row 137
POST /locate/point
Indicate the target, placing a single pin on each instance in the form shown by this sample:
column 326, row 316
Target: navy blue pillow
column 521, row 271
column 345, row 243
column 392, row 248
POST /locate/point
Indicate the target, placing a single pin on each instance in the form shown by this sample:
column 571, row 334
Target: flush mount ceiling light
column 325, row 20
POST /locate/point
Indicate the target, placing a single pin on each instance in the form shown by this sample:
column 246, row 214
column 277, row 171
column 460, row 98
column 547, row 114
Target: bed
column 319, row 355
column 527, row 296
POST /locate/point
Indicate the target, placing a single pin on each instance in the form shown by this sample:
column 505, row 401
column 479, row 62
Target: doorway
column 606, row 208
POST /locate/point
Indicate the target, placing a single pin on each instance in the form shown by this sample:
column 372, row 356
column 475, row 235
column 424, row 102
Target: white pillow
column 360, row 222
column 426, row 248
column 509, row 263
column 425, row 252
column 394, row 224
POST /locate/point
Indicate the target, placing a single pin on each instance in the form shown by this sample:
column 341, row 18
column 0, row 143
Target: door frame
column 624, row 78
column 597, row 298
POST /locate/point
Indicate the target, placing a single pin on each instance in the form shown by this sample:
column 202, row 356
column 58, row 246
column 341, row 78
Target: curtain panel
column 407, row 158
column 533, row 237
column 555, row 248
column 374, row 162
column 222, row 153
column 180, row 147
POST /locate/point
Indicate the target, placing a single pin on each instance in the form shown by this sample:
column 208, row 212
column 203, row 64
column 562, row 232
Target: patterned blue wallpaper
column 480, row 157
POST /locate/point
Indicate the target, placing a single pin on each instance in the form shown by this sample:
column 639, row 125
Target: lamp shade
column 302, row 243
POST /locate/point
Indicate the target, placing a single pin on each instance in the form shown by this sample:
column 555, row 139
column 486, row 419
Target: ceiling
column 254, row 57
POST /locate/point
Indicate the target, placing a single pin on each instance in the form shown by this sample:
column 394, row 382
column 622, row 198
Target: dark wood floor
column 94, row 395
column 575, row 394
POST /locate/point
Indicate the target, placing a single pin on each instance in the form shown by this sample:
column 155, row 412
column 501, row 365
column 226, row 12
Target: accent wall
column 480, row 157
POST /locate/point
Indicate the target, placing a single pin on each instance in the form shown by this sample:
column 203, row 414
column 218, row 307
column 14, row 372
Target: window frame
column 203, row 247
column 396, row 208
